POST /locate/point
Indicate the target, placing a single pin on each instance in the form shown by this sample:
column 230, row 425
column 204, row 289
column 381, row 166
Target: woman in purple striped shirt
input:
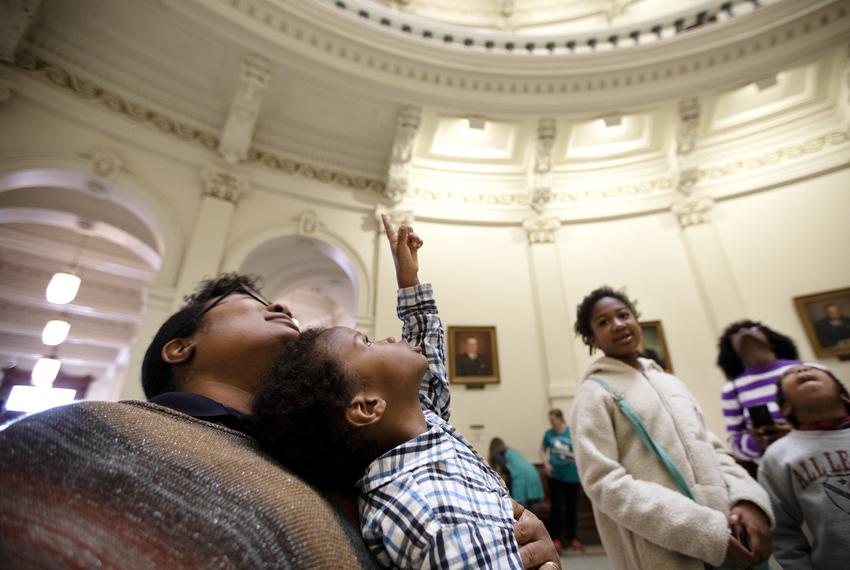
column 753, row 357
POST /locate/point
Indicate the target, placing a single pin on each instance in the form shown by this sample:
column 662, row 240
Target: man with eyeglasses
column 208, row 359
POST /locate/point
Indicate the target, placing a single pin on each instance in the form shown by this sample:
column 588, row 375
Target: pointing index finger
column 388, row 227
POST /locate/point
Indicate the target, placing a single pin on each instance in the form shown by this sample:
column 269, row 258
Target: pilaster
column 159, row 304
column 202, row 259
column 709, row 262
column 551, row 307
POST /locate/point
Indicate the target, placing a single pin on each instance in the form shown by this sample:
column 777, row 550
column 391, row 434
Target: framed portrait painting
column 655, row 344
column 826, row 319
column 473, row 355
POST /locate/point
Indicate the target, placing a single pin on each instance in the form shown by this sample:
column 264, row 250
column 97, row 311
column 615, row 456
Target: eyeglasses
column 240, row 288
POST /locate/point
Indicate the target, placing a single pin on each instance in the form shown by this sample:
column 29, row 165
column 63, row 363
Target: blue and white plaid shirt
column 433, row 502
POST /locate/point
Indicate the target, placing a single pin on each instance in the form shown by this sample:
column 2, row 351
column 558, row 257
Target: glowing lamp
column 55, row 332
column 44, row 372
column 63, row 288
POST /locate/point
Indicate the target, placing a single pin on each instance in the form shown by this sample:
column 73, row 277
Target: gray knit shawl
column 136, row 485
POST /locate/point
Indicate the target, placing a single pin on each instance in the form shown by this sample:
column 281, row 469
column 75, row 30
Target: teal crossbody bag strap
column 646, row 439
column 652, row 445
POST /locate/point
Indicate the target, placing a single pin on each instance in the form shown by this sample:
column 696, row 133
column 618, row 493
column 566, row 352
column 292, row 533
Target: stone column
column 385, row 322
column 204, row 253
column 709, row 262
column 160, row 301
column 551, row 310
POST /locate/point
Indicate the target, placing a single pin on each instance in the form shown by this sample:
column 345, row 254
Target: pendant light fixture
column 45, row 371
column 55, row 332
column 64, row 285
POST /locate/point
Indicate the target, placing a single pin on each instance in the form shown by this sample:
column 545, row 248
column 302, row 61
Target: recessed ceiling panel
column 769, row 95
column 461, row 138
column 612, row 137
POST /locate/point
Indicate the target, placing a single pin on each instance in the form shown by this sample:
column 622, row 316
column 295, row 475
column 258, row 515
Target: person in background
column 645, row 520
column 753, row 357
column 521, row 476
column 559, row 463
column 807, row 472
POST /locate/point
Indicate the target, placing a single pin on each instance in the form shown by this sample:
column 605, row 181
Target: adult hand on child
column 535, row 547
column 757, row 527
column 404, row 244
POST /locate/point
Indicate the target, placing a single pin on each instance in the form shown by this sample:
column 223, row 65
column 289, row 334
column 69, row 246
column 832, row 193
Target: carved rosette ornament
column 541, row 180
column 244, row 109
column 693, row 211
column 308, row 223
column 541, row 230
column 398, row 177
column 106, row 163
column 223, row 185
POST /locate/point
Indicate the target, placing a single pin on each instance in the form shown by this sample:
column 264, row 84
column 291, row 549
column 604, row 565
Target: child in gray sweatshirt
column 807, row 472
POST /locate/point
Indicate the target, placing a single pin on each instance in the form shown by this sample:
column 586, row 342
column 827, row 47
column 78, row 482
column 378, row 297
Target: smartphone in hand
column 740, row 533
column 760, row 416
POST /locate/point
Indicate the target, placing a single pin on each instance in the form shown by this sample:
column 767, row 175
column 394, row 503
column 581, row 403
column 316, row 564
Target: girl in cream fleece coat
column 644, row 521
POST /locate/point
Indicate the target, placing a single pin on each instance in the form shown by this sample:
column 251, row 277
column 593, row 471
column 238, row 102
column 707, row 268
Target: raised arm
column 421, row 324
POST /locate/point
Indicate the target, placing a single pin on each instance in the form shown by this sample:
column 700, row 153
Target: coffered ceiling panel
column 768, row 96
column 614, row 136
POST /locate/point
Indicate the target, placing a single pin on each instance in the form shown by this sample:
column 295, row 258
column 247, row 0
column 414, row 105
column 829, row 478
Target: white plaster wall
column 788, row 242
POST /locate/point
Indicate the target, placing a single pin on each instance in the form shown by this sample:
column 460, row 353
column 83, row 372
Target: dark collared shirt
column 205, row 409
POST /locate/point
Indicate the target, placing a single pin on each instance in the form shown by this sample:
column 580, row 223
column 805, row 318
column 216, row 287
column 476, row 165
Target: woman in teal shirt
column 522, row 477
column 560, row 466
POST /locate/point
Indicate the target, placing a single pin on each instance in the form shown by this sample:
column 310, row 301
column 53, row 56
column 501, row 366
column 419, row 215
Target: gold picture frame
column 473, row 355
column 826, row 319
column 655, row 344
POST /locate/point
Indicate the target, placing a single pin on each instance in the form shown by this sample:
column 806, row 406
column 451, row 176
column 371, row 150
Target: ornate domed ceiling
column 488, row 112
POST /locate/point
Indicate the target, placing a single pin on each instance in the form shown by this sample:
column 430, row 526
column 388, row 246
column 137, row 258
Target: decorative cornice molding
column 791, row 152
column 694, row 210
column 59, row 77
column 222, row 185
column 541, row 230
column 427, row 69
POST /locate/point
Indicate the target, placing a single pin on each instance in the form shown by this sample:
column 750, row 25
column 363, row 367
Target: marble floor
column 593, row 558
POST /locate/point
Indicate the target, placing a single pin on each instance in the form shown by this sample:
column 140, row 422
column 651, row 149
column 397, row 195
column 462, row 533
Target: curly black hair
column 780, row 395
column 729, row 361
column 158, row 375
column 299, row 416
column 584, row 311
